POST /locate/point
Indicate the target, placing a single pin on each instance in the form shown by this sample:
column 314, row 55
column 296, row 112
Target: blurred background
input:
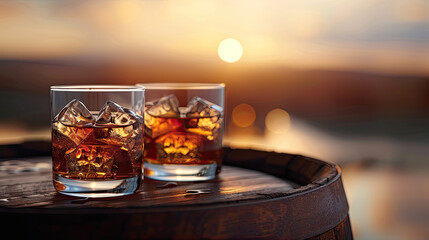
column 340, row 80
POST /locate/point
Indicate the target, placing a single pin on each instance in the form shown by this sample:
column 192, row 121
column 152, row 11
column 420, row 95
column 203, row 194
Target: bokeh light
column 243, row 115
column 230, row 50
column 277, row 121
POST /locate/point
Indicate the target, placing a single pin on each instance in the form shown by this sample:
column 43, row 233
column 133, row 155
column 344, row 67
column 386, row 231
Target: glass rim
column 97, row 88
column 181, row 86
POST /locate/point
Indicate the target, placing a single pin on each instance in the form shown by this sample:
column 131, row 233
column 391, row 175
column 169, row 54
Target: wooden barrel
column 258, row 195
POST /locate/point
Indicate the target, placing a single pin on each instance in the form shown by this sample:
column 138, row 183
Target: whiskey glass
column 183, row 131
column 97, row 139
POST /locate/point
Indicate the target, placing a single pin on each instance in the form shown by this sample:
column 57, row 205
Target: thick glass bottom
column 96, row 188
column 180, row 172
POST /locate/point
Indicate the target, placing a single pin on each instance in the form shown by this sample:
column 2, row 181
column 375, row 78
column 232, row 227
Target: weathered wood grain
column 278, row 196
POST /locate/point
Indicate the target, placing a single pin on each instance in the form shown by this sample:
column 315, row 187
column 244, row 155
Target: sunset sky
column 372, row 35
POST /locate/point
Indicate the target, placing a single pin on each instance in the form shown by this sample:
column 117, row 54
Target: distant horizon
column 85, row 61
column 322, row 96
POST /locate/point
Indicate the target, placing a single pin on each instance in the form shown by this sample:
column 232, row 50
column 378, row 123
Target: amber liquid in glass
column 94, row 152
column 183, row 141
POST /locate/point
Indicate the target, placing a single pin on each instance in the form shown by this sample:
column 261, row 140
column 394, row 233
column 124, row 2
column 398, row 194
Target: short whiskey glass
column 97, row 139
column 183, row 131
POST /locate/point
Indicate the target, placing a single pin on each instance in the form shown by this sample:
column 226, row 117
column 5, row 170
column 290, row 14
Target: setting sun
column 230, row 50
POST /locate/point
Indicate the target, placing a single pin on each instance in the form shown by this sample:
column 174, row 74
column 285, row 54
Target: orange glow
column 228, row 190
column 243, row 115
column 295, row 34
column 277, row 121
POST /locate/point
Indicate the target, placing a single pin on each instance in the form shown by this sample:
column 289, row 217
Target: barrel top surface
column 258, row 193
column 33, row 188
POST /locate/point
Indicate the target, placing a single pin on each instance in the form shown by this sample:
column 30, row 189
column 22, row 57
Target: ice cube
column 208, row 126
column 119, row 136
column 75, row 114
column 167, row 106
column 206, row 118
column 68, row 137
column 67, row 128
column 179, row 147
column 161, row 116
column 117, row 126
column 91, row 161
column 157, row 126
column 113, row 114
column 199, row 107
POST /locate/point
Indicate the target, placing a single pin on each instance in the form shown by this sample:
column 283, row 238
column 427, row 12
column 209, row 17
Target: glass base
column 96, row 188
column 180, row 172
